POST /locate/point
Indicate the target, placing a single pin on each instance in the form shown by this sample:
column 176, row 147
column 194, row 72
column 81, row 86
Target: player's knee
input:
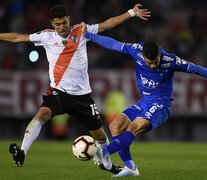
column 116, row 129
column 99, row 134
column 44, row 114
column 100, row 137
column 136, row 128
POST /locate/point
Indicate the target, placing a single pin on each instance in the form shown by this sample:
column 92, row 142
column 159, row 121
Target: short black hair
column 58, row 11
column 150, row 50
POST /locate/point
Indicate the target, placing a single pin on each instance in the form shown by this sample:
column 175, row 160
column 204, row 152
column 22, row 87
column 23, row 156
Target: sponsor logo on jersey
column 148, row 82
column 167, row 58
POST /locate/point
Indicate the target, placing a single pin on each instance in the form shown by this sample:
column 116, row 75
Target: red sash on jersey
column 67, row 54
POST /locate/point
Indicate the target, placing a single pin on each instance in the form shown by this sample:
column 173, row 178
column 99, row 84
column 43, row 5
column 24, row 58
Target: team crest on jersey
column 65, row 42
column 74, row 39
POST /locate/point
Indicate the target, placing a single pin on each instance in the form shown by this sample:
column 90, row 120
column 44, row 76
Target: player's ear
column 52, row 22
column 68, row 18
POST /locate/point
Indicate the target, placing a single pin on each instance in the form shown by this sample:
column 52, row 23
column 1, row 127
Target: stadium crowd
column 178, row 25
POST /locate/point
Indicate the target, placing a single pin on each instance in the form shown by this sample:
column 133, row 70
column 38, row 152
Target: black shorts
column 82, row 107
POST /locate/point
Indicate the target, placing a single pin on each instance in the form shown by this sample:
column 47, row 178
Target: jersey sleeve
column 104, row 41
column 185, row 66
column 92, row 28
column 179, row 64
column 132, row 48
column 37, row 38
column 195, row 69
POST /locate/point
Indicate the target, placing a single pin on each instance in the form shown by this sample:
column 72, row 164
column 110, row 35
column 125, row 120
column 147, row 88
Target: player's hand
column 83, row 28
column 141, row 13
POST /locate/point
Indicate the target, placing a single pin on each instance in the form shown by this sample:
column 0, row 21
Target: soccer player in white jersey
column 69, row 90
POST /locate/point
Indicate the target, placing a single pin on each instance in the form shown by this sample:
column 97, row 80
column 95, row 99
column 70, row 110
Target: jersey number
column 94, row 109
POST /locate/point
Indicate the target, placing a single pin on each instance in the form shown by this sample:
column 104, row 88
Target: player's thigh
column 119, row 124
column 139, row 125
column 86, row 112
column 55, row 102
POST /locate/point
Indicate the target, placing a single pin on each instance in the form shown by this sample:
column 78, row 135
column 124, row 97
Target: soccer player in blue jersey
column 154, row 75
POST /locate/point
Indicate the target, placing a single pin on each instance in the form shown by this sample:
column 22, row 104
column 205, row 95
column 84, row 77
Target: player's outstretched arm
column 103, row 41
column 199, row 70
column 14, row 37
column 189, row 67
column 143, row 14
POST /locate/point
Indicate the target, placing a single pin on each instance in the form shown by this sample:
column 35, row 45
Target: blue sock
column 126, row 157
column 119, row 142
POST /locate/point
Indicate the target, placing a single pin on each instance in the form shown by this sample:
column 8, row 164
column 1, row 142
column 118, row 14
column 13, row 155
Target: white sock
column 106, row 159
column 31, row 133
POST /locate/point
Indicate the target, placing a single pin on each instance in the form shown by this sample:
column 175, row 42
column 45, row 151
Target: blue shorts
column 156, row 110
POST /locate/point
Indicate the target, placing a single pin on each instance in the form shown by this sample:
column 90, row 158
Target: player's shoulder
column 49, row 34
column 43, row 35
column 168, row 57
column 171, row 60
column 75, row 26
column 167, row 60
column 134, row 46
column 48, row 30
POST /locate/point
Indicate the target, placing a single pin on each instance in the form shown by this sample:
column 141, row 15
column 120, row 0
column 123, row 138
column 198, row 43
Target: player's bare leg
column 119, row 125
column 31, row 133
column 102, row 140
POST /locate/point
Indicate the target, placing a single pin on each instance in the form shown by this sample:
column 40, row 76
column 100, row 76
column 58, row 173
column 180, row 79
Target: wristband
column 131, row 12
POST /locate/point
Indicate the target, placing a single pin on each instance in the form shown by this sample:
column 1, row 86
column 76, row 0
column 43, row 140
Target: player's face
column 62, row 26
column 152, row 64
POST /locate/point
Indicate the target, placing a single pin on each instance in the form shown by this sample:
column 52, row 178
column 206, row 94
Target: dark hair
column 58, row 11
column 150, row 50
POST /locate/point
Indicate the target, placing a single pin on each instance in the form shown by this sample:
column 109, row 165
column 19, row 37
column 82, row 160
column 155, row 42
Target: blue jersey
column 152, row 83
column 159, row 82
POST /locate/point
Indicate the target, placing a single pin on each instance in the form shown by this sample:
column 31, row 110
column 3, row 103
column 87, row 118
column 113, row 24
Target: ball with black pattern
column 84, row 148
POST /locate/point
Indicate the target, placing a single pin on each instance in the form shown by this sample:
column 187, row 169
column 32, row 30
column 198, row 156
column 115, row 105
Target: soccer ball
column 84, row 148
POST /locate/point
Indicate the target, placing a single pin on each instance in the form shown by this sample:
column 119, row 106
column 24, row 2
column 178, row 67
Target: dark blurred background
column 179, row 26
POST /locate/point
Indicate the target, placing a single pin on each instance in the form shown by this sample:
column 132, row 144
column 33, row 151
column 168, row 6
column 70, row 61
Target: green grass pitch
column 53, row 160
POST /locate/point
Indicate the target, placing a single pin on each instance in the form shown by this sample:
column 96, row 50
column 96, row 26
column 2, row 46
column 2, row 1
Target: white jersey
column 67, row 57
